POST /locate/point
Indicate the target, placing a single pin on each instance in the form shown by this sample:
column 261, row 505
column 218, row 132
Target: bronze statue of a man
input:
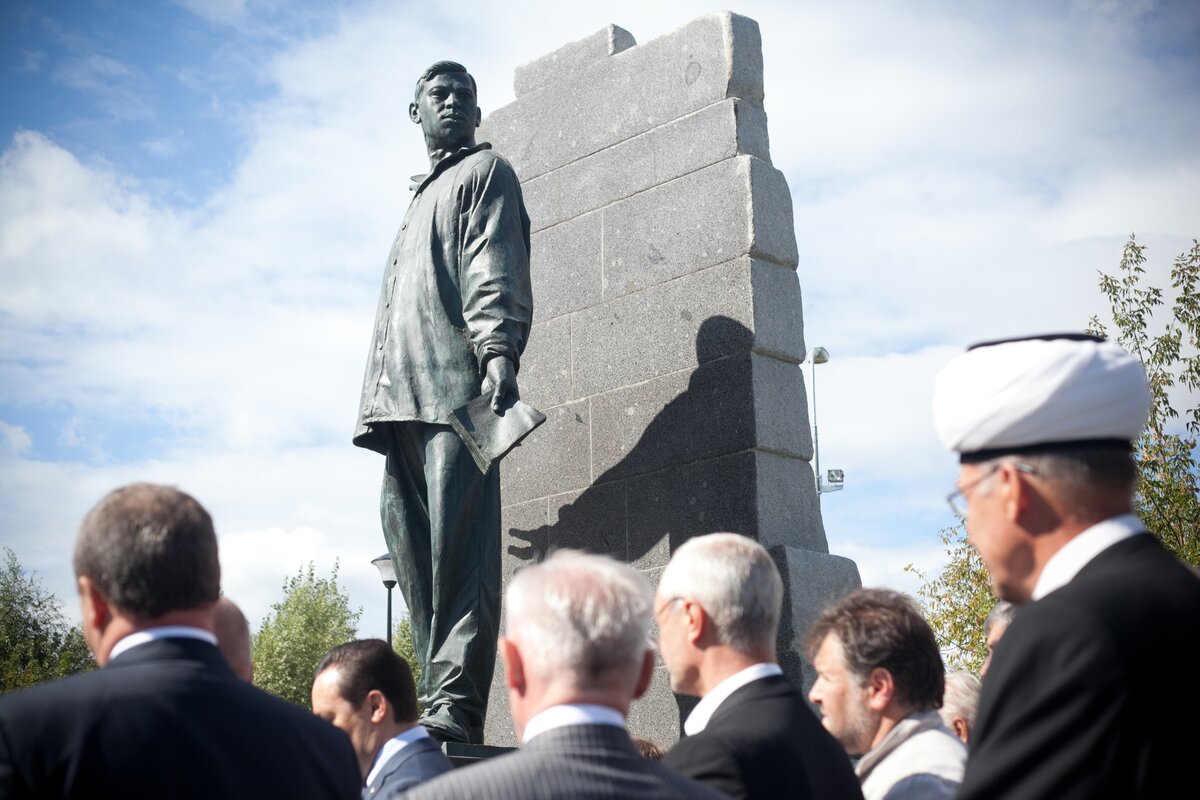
column 453, row 317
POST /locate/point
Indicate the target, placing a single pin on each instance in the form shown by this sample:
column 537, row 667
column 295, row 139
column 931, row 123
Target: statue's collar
column 441, row 159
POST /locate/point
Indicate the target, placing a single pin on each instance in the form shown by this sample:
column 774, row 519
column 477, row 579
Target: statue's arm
column 494, row 274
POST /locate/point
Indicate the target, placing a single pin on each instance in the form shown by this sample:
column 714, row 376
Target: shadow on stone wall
column 680, row 479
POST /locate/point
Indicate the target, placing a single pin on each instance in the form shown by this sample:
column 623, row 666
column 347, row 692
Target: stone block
column 811, row 581
column 553, row 459
column 696, row 318
column 565, row 266
column 498, row 726
column 702, row 219
column 658, row 715
column 674, row 420
column 720, row 131
column 772, row 235
column 515, row 521
column 787, row 510
column 780, row 413
column 608, row 101
column 593, row 520
column 778, row 317
column 570, row 59
column 669, row 507
column 545, row 377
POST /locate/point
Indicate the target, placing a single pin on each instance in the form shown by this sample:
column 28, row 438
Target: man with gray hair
column 751, row 735
column 233, row 638
column 1087, row 690
column 960, row 702
column 164, row 716
column 994, row 626
column 576, row 654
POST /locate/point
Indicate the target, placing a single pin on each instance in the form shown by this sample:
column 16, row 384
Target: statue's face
column 447, row 111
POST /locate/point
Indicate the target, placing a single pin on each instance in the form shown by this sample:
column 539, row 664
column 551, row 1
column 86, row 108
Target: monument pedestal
column 667, row 333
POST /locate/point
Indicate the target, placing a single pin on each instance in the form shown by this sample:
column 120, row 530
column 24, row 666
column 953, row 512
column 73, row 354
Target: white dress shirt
column 572, row 714
column 166, row 632
column 1075, row 554
column 702, row 713
column 395, row 745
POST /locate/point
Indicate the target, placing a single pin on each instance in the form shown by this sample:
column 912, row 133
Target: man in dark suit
column 751, row 735
column 575, row 656
column 366, row 689
column 164, row 716
column 1087, row 689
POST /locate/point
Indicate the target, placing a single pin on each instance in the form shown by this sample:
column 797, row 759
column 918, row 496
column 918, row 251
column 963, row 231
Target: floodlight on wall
column 834, row 480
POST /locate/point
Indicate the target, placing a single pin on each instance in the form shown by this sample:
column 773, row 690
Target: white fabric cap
column 1022, row 393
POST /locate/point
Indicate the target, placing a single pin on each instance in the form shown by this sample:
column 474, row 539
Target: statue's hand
column 501, row 380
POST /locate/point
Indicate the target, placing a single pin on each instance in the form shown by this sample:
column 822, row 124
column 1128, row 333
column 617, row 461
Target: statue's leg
column 464, row 514
column 405, row 518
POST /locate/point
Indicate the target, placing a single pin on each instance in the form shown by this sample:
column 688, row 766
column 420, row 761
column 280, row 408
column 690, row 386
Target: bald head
column 233, row 638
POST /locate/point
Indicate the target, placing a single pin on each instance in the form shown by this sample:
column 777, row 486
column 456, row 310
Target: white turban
column 1028, row 393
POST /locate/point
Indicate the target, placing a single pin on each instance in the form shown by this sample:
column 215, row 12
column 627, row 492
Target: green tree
column 36, row 643
column 313, row 617
column 402, row 643
column 1168, row 494
column 957, row 601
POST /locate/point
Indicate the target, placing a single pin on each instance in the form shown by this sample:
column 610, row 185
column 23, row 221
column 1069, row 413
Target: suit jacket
column 764, row 741
column 1089, row 690
column 581, row 762
column 414, row 764
column 167, row 719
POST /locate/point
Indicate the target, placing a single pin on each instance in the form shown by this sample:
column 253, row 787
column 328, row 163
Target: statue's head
column 445, row 106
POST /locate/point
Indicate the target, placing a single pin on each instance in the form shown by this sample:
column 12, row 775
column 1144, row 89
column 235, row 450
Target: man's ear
column 647, row 674
column 96, row 613
column 695, row 620
column 1018, row 493
column 413, row 113
column 478, row 116
column 881, row 687
column 380, row 708
column 514, row 666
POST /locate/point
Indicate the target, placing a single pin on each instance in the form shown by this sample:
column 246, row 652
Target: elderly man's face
column 1001, row 544
column 447, row 111
column 842, row 699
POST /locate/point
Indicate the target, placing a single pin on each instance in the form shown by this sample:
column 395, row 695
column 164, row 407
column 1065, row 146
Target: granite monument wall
column 668, row 328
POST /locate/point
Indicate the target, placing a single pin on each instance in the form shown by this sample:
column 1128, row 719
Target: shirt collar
column 1075, row 554
column 572, row 714
column 395, row 745
column 702, row 713
column 154, row 634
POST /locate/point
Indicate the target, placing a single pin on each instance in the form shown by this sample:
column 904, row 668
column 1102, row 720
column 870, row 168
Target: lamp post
column 387, row 573
column 819, row 355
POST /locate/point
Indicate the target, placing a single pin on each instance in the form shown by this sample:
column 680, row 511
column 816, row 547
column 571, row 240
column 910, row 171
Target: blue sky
column 196, row 198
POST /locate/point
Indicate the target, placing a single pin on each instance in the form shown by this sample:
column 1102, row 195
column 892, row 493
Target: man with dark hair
column 366, row 689
column 453, row 317
column 751, row 735
column 1082, row 698
column 879, row 685
column 164, row 716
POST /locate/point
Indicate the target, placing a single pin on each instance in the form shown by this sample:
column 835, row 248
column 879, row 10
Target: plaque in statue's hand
column 501, row 380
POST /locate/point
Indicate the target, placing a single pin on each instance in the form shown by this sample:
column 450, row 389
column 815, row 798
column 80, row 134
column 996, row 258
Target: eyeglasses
column 958, row 498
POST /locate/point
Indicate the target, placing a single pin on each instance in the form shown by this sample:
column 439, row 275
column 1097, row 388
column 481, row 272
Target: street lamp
column 836, row 478
column 387, row 573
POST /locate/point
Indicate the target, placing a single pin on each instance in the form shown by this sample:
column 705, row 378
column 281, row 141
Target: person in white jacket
column 880, row 681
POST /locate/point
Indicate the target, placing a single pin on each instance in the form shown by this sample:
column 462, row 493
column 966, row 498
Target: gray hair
column 1087, row 479
column 150, row 550
column 734, row 579
column 961, row 698
column 1001, row 614
column 579, row 614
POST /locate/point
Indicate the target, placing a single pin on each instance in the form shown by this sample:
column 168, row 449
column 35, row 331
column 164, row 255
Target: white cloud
column 14, row 440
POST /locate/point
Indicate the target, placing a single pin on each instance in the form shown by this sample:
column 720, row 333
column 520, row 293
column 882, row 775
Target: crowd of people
column 1081, row 696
